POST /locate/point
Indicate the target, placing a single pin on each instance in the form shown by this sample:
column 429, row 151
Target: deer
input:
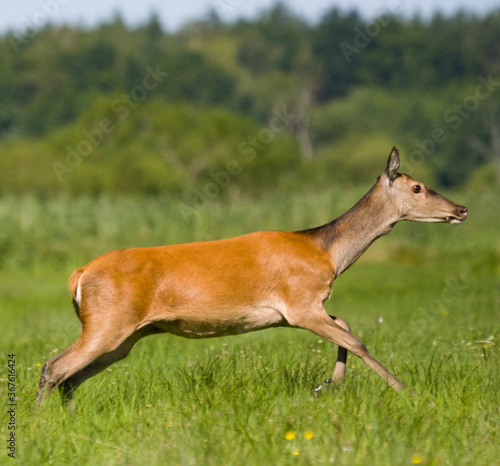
column 237, row 285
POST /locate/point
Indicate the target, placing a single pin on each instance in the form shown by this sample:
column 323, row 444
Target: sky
column 173, row 14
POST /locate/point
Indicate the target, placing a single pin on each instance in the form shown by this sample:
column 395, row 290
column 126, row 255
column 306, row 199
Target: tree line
column 349, row 83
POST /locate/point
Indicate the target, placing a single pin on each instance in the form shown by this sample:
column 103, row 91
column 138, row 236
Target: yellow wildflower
column 309, row 434
column 416, row 458
column 290, row 435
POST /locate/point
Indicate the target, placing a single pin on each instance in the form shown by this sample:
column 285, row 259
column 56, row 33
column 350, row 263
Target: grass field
column 425, row 301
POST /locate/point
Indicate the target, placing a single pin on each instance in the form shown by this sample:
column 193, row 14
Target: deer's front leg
column 326, row 327
column 340, row 365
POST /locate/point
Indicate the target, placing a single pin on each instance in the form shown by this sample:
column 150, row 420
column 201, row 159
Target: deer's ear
column 393, row 164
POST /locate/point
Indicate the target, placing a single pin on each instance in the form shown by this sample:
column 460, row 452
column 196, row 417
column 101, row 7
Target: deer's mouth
column 458, row 216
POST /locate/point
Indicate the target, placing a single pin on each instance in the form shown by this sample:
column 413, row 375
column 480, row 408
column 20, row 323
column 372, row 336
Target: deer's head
column 412, row 200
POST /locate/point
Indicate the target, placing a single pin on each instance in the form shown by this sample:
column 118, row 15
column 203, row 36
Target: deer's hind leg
column 89, row 355
column 68, row 387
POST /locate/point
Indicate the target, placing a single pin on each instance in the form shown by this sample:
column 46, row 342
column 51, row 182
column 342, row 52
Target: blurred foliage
column 245, row 104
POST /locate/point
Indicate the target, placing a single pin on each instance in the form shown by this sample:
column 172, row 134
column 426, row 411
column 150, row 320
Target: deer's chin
column 449, row 219
column 430, row 219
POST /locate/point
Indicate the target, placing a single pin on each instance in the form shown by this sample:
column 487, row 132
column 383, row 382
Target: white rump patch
column 78, row 295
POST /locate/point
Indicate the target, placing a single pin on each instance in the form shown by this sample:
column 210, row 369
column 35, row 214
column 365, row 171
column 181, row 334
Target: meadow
column 424, row 300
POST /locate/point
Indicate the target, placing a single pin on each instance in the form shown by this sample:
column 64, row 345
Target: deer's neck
column 347, row 237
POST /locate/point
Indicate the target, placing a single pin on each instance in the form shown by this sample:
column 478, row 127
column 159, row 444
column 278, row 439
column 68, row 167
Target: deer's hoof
column 322, row 387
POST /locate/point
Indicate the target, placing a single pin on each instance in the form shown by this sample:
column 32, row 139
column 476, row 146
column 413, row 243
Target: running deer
column 237, row 285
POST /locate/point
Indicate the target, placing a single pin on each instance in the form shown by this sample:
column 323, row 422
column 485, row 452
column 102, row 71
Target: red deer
column 237, row 285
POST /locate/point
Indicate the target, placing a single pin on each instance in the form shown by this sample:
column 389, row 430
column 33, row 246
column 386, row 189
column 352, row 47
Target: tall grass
column 424, row 300
column 53, row 233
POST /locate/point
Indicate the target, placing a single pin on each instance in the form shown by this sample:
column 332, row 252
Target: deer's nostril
column 463, row 211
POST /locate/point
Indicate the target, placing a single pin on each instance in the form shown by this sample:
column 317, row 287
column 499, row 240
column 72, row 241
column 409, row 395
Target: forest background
column 255, row 106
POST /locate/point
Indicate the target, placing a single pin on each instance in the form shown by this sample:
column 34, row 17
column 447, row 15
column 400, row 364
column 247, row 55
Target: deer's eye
column 417, row 189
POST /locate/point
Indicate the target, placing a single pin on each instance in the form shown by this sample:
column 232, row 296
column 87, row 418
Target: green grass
column 424, row 300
